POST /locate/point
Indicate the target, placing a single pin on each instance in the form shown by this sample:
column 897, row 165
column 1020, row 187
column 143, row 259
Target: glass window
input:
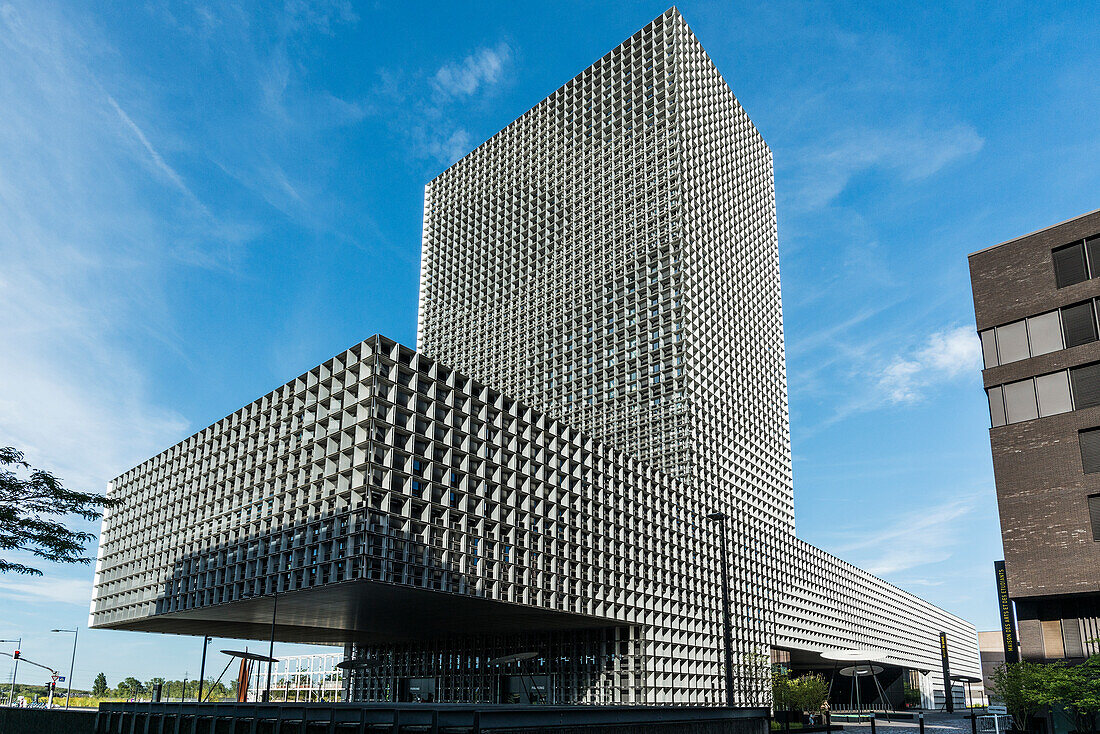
column 1044, row 332
column 1078, row 324
column 1020, row 402
column 989, row 347
column 1086, row 386
column 1094, row 515
column 1053, row 392
column 1092, row 249
column 1069, row 264
column 996, row 406
column 1012, row 342
column 1090, row 450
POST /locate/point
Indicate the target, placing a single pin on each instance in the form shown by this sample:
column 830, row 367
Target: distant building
column 1035, row 304
column 991, row 648
column 600, row 366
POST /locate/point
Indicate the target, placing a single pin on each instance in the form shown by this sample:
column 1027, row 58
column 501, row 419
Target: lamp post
column 271, row 647
column 11, row 691
column 202, row 668
column 727, row 627
column 72, row 663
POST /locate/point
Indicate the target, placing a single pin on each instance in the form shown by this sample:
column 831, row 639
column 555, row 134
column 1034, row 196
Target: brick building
column 1035, row 304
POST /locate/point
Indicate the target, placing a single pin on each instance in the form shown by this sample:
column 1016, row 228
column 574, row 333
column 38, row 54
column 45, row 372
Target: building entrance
column 418, row 690
column 525, row 689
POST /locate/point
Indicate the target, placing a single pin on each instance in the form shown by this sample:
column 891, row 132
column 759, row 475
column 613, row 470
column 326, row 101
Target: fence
column 260, row 718
column 995, row 723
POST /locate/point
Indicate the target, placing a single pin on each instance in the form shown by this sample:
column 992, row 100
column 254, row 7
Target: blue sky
column 199, row 202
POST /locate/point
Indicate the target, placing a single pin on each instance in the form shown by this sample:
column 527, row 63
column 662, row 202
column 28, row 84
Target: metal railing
column 258, row 718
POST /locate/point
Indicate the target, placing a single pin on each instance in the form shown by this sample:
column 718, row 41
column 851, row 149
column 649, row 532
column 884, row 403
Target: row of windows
column 1045, row 395
column 1069, row 326
column 1077, row 261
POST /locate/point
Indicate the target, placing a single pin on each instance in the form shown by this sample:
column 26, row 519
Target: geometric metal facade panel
column 611, row 257
column 600, row 365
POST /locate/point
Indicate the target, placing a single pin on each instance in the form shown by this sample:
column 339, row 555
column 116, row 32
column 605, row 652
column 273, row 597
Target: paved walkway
column 934, row 723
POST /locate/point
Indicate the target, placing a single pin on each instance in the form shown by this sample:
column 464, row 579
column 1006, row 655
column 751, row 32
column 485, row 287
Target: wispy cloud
column 156, row 158
column 321, row 15
column 82, row 252
column 912, row 152
column 433, row 132
column 922, row 536
column 483, row 67
column 946, row 355
column 859, row 371
column 441, row 146
column 52, row 589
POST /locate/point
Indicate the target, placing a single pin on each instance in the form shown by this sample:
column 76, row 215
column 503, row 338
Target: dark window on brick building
column 1069, row 264
column 1078, row 324
column 1094, row 515
column 1090, row 450
column 1092, row 249
column 1086, row 386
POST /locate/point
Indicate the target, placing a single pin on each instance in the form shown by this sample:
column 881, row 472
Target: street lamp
column 202, row 669
column 271, row 647
column 11, row 691
column 727, row 627
column 72, row 663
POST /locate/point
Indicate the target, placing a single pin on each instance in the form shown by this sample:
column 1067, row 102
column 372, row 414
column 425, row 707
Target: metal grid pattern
column 611, row 257
column 832, row 604
column 603, row 277
column 600, row 666
column 385, row 465
column 300, row 678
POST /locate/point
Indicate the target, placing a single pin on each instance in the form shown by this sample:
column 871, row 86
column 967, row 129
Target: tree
column 1025, row 688
column 27, row 509
column 808, row 692
column 131, row 687
column 781, row 691
column 1077, row 688
column 99, row 687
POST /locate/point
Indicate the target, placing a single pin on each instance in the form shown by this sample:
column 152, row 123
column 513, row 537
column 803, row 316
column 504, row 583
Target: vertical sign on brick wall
column 1008, row 615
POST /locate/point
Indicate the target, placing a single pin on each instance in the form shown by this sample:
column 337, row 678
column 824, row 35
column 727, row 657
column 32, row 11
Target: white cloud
column 453, row 83
column 83, row 256
column 913, row 151
column 47, row 589
column 444, row 148
column 481, row 68
column 923, row 536
column 163, row 167
column 946, row 355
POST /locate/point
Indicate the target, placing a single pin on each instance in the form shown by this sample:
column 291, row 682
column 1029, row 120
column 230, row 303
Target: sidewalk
column 934, row 723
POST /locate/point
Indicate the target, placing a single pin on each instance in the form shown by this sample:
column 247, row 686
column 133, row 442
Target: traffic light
column 15, row 654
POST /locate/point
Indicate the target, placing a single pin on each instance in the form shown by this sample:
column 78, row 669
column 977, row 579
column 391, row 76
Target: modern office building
column 600, row 365
column 1034, row 305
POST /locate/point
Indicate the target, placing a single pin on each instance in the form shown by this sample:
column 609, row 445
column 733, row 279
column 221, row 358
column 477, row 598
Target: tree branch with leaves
column 31, row 510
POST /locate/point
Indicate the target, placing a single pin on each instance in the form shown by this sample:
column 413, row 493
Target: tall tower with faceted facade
column 611, row 258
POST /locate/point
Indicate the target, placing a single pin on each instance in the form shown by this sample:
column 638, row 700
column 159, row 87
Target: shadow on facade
column 429, row 629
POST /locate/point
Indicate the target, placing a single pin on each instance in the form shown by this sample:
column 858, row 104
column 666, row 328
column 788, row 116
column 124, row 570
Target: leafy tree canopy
column 29, row 509
column 131, row 687
column 99, row 687
column 1026, row 688
column 805, row 693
